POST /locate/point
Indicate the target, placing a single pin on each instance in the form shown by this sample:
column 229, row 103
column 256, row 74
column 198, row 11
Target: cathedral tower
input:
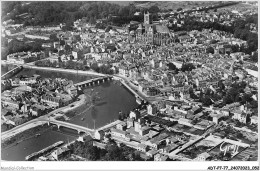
column 147, row 19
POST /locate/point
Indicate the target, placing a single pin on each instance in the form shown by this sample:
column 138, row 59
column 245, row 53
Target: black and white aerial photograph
column 99, row 81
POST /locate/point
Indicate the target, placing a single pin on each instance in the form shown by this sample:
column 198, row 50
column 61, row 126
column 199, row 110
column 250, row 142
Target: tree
column 213, row 41
column 120, row 117
column 55, row 64
column 227, row 156
column 254, row 104
column 105, row 69
column 92, row 153
column 54, row 50
column 195, row 121
column 80, row 55
column 179, row 9
column 53, row 37
column 59, row 59
column 231, row 94
column 206, row 101
column 235, row 48
column 187, row 67
column 254, row 57
column 61, row 52
column 125, row 115
column 172, row 66
column 246, row 98
column 210, row 50
column 108, row 28
column 36, row 47
column 76, row 38
column 154, row 9
column 95, row 67
column 193, row 96
column 84, row 62
column 237, row 98
column 123, row 11
column 132, row 10
column 137, row 157
column 92, row 20
column 114, row 153
column 208, row 91
column 68, row 26
column 221, row 85
column 67, row 48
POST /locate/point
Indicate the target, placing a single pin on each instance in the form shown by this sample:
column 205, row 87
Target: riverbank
column 127, row 83
column 76, row 104
column 25, row 135
column 131, row 87
column 73, row 113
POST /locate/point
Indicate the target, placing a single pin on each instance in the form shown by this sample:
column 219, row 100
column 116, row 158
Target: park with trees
column 111, row 152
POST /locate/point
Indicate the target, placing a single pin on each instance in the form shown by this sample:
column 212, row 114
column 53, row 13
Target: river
column 24, row 148
column 113, row 98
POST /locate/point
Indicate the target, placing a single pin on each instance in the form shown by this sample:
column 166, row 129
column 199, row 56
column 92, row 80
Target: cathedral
column 152, row 33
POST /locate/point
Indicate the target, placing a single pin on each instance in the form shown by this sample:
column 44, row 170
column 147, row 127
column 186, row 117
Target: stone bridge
column 93, row 81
